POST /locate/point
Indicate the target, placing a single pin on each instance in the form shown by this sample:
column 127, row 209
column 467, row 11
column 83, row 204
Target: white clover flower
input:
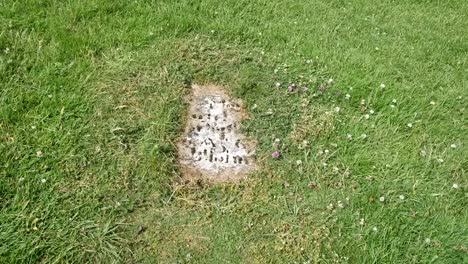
column 39, row 153
column 308, row 61
column 330, row 81
column 277, row 140
column 362, row 221
column 337, row 109
column 324, row 164
column 349, row 136
column 269, row 112
column 392, row 106
column 382, row 85
column 212, row 31
column 275, row 71
column 410, row 125
column 298, row 162
column 366, row 116
column 33, row 127
column 21, row 179
column 382, row 199
column 375, row 229
column 43, row 180
column 455, row 186
column 340, row 205
column 347, row 96
column 427, row 240
column 371, row 112
column 453, row 146
column 423, row 153
column 394, row 101
column 432, row 103
column 326, row 151
column 363, row 102
column 440, row 160
column 50, row 96
column 330, row 207
column 402, row 197
column 277, row 84
column 350, row 88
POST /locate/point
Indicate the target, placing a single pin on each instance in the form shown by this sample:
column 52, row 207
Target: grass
column 91, row 104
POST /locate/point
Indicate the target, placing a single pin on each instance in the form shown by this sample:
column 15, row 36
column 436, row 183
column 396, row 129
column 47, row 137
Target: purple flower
column 275, row 154
column 290, row 88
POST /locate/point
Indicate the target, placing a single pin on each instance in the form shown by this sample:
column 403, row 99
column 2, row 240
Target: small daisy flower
column 43, row 180
column 366, row 116
column 33, row 127
column 453, row 146
column 350, row 88
column 298, row 162
column 326, row 151
column 394, row 101
column 375, row 229
column 330, row 207
column 39, row 153
column 371, row 112
column 212, row 31
column 432, row 103
column 455, row 186
column 402, row 197
column 362, row 221
column 382, row 85
column 392, row 106
column 337, row 109
column 340, row 205
column 440, row 160
column 382, row 199
column 270, row 111
column 349, row 136
column 275, row 71
column 50, row 96
column 423, row 153
column 410, row 125
column 277, row 140
column 347, row 96
column 308, row 61
column 275, row 154
column 330, row 81
column 277, row 84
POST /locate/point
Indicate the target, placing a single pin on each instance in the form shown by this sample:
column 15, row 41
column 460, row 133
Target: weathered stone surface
column 212, row 146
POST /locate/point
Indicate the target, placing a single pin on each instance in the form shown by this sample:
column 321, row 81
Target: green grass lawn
column 373, row 165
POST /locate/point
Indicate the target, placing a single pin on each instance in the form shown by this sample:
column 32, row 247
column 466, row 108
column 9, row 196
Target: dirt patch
column 212, row 146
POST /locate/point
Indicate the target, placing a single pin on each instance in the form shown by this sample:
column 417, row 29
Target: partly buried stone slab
column 212, row 146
